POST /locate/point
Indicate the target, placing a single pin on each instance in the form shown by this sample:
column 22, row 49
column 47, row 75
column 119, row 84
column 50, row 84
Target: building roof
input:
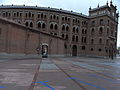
column 101, row 7
column 42, row 8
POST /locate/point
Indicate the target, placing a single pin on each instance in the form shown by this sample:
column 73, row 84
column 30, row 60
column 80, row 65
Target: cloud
column 21, row 2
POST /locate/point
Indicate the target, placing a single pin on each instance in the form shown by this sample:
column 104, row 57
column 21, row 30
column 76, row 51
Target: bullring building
column 31, row 29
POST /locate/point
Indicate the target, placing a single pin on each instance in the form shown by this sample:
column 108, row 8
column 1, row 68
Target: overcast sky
column 81, row 6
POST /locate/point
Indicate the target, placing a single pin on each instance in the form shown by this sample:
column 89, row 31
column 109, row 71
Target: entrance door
column 44, row 50
column 74, row 50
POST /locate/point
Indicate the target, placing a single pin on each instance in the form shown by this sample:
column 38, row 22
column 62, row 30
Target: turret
column 107, row 3
column 111, row 3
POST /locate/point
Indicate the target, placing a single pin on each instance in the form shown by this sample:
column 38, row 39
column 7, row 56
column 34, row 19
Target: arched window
column 38, row 15
column 25, row 14
column 92, row 41
column 6, row 14
column 63, row 27
column 45, row 16
column 83, row 47
column 92, row 31
column 20, row 14
column 62, row 35
column 73, row 38
column 55, row 34
column 77, row 30
column 82, row 31
column 76, row 20
column 26, row 23
column 73, row 20
column 56, row 27
column 100, row 41
column 68, row 19
column 14, row 14
column 93, row 23
column 76, row 38
column 108, row 22
column 51, row 26
column 65, row 18
column 85, row 23
column 101, row 21
column 65, row 46
column 91, row 49
column 73, row 29
column 32, row 15
column 100, row 30
column 67, row 28
column 84, row 39
column 51, row 16
column 54, row 17
column 106, row 50
column 31, row 24
column 107, row 31
column 43, row 25
column 57, row 17
column 85, row 31
column 41, row 15
column 29, row 14
column 67, row 37
column 99, row 49
column 39, row 25
column 17, row 14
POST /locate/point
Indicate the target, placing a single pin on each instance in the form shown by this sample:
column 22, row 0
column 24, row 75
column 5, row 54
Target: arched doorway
column 44, row 50
column 74, row 50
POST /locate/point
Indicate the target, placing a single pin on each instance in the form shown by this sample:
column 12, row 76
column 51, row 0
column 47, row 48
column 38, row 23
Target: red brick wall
column 19, row 39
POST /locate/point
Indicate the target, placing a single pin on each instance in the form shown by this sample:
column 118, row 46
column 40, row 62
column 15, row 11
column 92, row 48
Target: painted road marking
column 2, row 87
column 43, row 83
column 87, row 83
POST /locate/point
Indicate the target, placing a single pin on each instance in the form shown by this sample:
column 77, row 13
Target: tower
column 103, row 26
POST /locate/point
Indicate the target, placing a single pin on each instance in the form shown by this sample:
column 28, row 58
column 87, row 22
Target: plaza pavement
column 76, row 73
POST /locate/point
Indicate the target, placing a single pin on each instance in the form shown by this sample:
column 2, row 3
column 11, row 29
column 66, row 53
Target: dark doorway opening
column 44, row 51
column 74, row 50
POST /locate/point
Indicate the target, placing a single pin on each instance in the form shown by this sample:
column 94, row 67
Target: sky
column 80, row 6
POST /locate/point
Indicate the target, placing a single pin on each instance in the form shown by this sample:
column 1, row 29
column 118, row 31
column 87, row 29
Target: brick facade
column 16, row 38
column 94, row 35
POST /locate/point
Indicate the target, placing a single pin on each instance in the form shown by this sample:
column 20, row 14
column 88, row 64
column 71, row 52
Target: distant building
column 93, row 35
